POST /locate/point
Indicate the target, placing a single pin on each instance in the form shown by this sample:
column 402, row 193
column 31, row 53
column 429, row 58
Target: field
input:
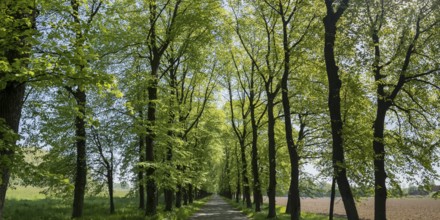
column 398, row 209
column 26, row 203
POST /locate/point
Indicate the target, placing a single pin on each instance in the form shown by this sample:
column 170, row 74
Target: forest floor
column 218, row 209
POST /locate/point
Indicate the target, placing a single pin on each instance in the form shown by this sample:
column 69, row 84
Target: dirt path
column 218, row 209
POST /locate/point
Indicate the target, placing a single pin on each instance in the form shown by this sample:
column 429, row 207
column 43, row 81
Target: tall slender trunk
column 332, row 199
column 156, row 53
column 254, row 159
column 380, row 190
column 228, row 176
column 150, row 209
column 271, row 190
column 294, row 199
column 185, row 196
column 168, row 192
column 190, row 194
column 334, row 104
column 238, row 186
column 383, row 104
column 140, row 172
column 179, row 196
column 254, row 162
column 110, row 190
column 81, row 156
column 246, row 188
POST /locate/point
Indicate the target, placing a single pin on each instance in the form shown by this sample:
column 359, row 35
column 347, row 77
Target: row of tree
column 109, row 89
column 128, row 88
column 355, row 85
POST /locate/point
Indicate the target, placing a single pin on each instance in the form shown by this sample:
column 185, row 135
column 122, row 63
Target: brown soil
column 397, row 209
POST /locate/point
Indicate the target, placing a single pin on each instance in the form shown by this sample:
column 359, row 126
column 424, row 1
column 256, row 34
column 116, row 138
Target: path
column 218, row 209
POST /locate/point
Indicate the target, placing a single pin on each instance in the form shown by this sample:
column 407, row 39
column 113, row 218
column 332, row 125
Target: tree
column 407, row 59
column 18, row 27
column 334, row 13
column 249, row 84
column 287, row 11
column 267, row 68
column 240, row 129
column 108, row 136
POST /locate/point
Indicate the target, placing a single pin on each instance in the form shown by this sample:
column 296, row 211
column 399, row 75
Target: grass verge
column 280, row 212
column 95, row 208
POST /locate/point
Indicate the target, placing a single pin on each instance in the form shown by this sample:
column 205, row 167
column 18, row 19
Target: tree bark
column 140, row 172
column 227, row 171
column 155, row 56
column 334, row 104
column 110, row 191
column 185, row 196
column 11, row 101
column 380, row 190
column 254, row 160
column 81, row 155
column 190, row 194
column 383, row 104
column 168, row 193
column 179, row 196
column 150, row 209
column 332, row 199
column 271, row 190
column 238, row 186
column 294, row 199
column 246, row 188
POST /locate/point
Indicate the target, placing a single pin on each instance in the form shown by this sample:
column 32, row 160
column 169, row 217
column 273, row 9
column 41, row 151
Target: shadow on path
column 218, row 209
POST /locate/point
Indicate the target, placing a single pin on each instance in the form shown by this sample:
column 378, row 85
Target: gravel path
column 218, row 209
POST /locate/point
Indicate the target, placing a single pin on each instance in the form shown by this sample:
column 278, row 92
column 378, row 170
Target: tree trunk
column 110, row 190
column 383, row 104
column 141, row 173
column 228, row 176
column 271, row 190
column 168, row 193
column 149, row 152
column 380, row 190
column 190, row 194
column 185, row 196
column 237, row 191
column 289, row 199
column 246, row 188
column 81, row 156
column 11, row 101
column 168, row 196
column 254, row 161
column 332, row 199
column 238, row 186
column 334, row 104
column 179, row 196
column 294, row 199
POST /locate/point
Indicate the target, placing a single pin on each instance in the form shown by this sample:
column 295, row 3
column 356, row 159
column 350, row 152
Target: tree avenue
column 170, row 101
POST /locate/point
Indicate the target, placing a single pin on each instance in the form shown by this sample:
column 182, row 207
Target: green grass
column 28, row 204
column 27, row 193
column 280, row 213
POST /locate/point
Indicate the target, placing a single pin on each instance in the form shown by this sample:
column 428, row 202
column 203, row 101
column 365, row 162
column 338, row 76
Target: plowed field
column 398, row 209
